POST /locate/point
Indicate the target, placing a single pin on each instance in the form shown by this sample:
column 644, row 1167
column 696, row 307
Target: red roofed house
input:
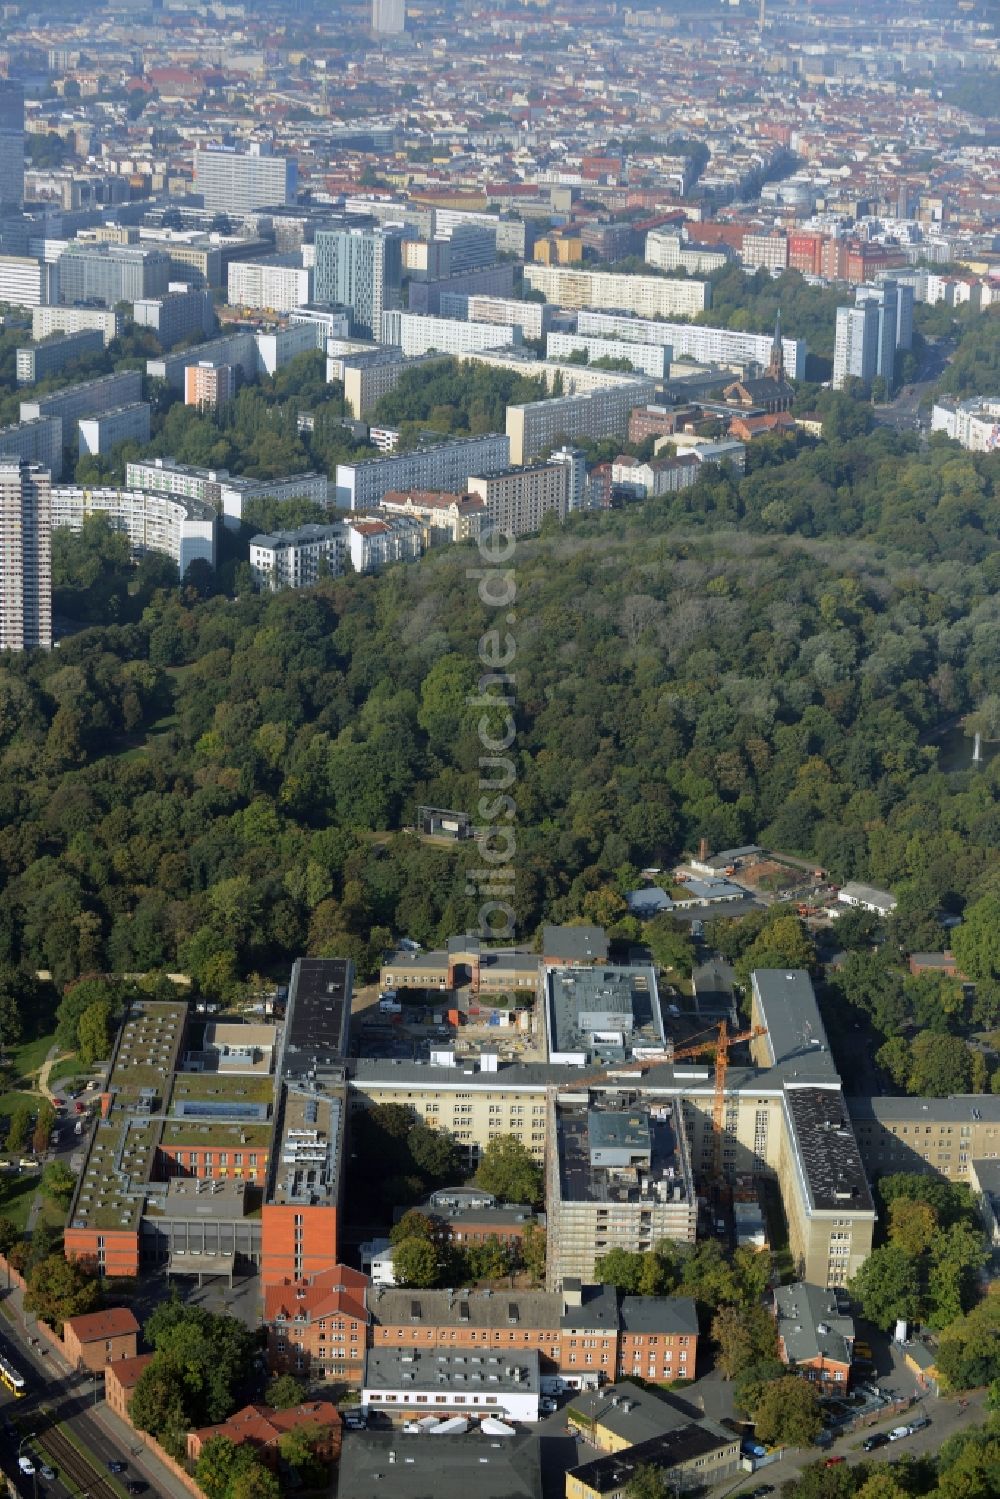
column 120, row 1381
column 318, row 1327
column 261, row 1428
column 100, row 1338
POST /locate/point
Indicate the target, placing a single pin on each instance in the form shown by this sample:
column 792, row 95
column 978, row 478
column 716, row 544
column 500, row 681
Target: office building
column 602, row 1013
column 277, row 283
column 25, row 556
column 895, row 324
column 236, row 182
column 703, row 344
column 647, row 296
column 109, row 274
column 184, row 530
column 671, row 252
column 88, row 398
column 37, row 361
column 369, row 376
column 414, row 1382
column 517, row 500
column 538, row 426
column 444, row 296
column 646, row 359
column 99, row 434
column 416, row 334
column 11, row 146
column 856, row 344
column 48, row 320
column 443, row 466
column 236, row 349
column 298, row 558
column 28, row 282
column 389, row 17
column 39, row 440
column 360, row 269
column 209, row 385
column 182, row 312
column 330, row 322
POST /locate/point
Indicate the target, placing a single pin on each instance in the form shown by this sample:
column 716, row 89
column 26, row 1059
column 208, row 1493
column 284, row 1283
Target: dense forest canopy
column 219, row 784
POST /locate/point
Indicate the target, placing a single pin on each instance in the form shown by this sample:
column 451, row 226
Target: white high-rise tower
column 389, row 17
column 25, row 556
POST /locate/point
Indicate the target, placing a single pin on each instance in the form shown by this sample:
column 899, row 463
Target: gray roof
column 298, row 537
column 870, row 895
column 811, row 1324
column 673, row 1315
column 612, row 1470
column 635, row 1414
column 988, row 1176
column 965, row 1108
column 442, row 1467
column 795, row 1032
column 465, row 1372
column 586, row 1003
column 648, row 900
column 826, row 1150
column 575, row 944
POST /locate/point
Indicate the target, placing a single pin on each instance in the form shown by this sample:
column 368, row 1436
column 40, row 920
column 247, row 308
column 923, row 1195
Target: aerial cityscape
column 500, row 749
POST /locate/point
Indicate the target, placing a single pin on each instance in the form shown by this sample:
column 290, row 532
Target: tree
column 976, row 943
column 58, row 1182
column 10, row 1235
column 255, row 1482
column 912, row 1226
column 621, row 1268
column 20, row 1124
column 508, row 1170
column 414, row 1225
column 213, row 1353
column 940, row 1065
column 784, row 943
column 44, row 1124
column 94, row 1032
column 670, row 943
column 158, row 1406
column 968, row 1352
column 887, row 1286
column 533, row 1250
column 59, row 1288
column 435, row 1154
column 708, row 1275
column 219, row 1462
column 647, row 1482
column 488, row 1261
column 749, row 1384
column 787, row 1413
column 284, row 1392
column 745, row 1338
column 415, row 1263
column 298, row 1449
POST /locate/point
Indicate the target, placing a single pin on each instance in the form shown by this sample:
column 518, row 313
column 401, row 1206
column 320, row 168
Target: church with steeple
column 768, row 393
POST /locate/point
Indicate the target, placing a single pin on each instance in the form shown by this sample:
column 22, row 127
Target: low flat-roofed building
column 867, row 897
column 465, row 961
column 619, row 1416
column 415, row 1382
column 499, row 1468
column 466, row 1216
column 602, row 1014
column 569, row 945
column 691, row 1457
column 815, row 1334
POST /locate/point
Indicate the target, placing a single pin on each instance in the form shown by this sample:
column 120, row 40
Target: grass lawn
column 27, row 1059
column 51, row 1212
column 10, row 1101
column 67, row 1067
column 16, row 1193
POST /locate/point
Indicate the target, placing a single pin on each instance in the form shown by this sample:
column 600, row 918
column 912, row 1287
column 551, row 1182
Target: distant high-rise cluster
column 868, row 334
column 11, row 144
column 389, row 17
column 25, row 556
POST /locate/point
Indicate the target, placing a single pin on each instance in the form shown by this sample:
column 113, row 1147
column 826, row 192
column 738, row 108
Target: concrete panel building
column 647, row 296
column 416, row 334
column 39, row 441
column 276, row 283
column 99, row 434
column 704, row 344
column 88, row 398
column 11, row 145
column 647, row 359
column 225, row 492
column 536, row 427
column 532, row 318
column 25, row 556
column 37, row 361
column 109, row 274
column 184, row 530
column 48, row 320
column 182, row 312
column 517, row 500
column 235, row 182
column 444, row 466
column 27, row 282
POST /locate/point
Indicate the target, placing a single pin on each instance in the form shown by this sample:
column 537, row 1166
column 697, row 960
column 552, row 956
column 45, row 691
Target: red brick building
column 261, row 1427
column 120, row 1381
column 317, row 1327
column 101, row 1338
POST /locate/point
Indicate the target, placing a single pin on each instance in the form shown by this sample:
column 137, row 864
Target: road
column 903, row 412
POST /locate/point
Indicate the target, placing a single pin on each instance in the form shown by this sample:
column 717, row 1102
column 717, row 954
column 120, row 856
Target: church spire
column 776, row 368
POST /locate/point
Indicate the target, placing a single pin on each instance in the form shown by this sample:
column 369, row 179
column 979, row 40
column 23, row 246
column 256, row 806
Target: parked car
column 753, row 1449
column 116, row 1466
column 26, row 1466
column 135, row 1487
column 354, row 1420
column 762, row 1491
column 898, row 1433
column 918, row 1424
column 46, row 1472
column 547, row 1405
column 832, row 1462
column 877, row 1439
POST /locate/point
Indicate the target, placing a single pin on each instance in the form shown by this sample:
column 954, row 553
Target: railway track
column 73, row 1466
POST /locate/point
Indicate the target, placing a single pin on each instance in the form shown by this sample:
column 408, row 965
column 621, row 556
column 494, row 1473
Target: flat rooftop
column 826, row 1149
column 465, row 1373
column 374, row 1464
column 795, row 1033
column 218, row 1199
column 963, row 1108
column 603, row 1013
column 576, row 1134
column 305, row 1165
column 614, row 1471
column 574, row 944
column 317, row 1018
